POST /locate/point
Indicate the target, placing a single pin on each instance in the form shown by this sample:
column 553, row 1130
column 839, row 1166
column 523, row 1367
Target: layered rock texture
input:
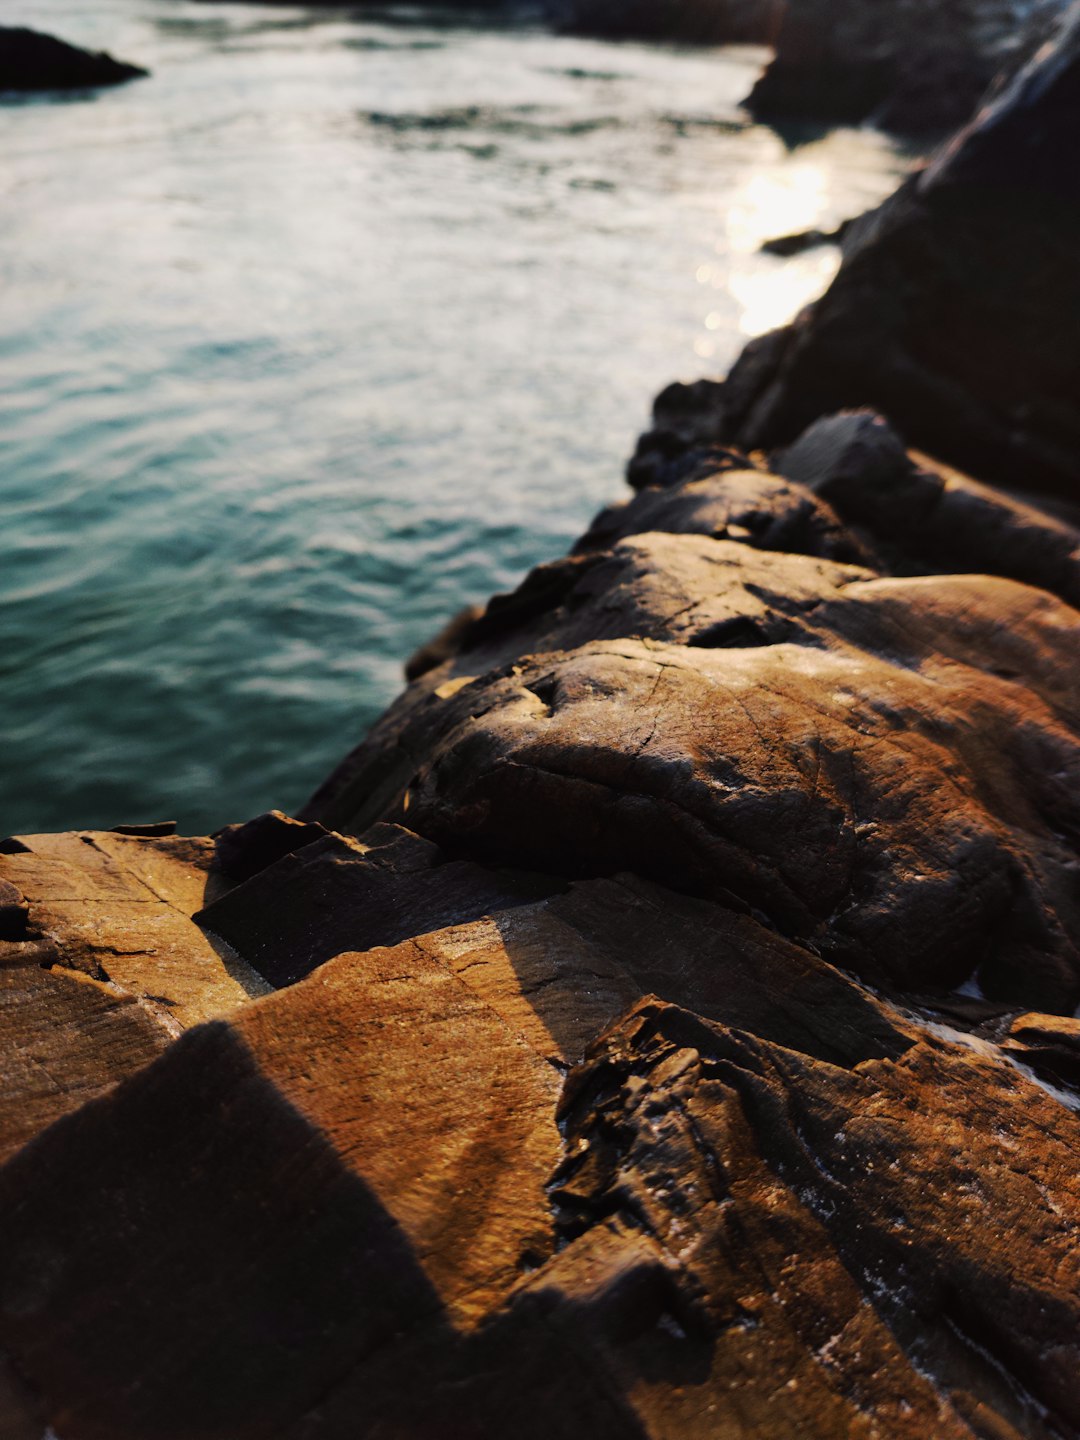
column 30, row 60
column 954, row 310
column 910, row 65
column 661, row 1025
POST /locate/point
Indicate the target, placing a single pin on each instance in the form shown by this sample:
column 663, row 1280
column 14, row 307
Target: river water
column 333, row 325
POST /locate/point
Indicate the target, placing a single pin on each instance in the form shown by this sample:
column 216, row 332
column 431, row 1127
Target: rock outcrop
column 30, row 60
column 661, row 1025
column 953, row 311
column 910, row 65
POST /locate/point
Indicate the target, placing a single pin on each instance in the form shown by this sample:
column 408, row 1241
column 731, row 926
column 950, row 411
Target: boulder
column 682, row 705
column 30, row 60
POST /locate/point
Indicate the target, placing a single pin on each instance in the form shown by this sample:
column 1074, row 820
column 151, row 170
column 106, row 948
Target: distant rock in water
column 703, row 22
column 30, row 60
column 954, row 311
column 910, row 65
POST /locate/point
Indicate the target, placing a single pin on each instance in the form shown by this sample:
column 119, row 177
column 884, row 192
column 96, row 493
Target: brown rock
column 782, row 1219
column 874, row 718
column 570, row 1124
column 108, row 971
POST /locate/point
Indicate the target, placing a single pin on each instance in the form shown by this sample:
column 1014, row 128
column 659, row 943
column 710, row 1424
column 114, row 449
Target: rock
column 101, row 968
column 674, row 1032
column 118, row 909
column 30, row 60
column 703, row 22
column 750, row 506
column 952, row 312
column 686, row 1228
column 787, row 245
column 13, row 912
column 677, row 705
column 152, row 828
column 242, row 851
column 376, row 892
column 925, row 515
column 912, row 65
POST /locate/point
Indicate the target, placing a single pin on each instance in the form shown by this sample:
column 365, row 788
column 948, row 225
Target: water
column 330, row 327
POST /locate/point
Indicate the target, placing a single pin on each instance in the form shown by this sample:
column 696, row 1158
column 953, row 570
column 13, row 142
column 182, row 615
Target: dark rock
column 13, row 912
column 694, row 413
column 242, row 851
column 32, row 61
column 911, row 65
column 924, row 515
column 741, row 504
column 953, row 311
column 787, row 245
column 702, row 22
column 155, row 828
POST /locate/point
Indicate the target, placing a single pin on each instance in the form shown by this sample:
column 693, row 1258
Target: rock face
column 909, row 65
column 30, row 60
column 953, row 311
column 660, row 1026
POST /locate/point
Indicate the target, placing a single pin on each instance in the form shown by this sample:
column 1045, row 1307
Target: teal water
column 330, row 327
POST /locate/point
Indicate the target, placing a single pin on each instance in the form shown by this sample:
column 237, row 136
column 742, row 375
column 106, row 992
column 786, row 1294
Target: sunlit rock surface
column 30, row 60
column 954, row 311
column 661, row 1025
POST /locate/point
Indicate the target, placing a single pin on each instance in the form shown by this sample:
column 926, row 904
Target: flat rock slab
column 380, row 1096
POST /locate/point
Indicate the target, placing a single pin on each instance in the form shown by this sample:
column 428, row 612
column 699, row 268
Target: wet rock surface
column 30, row 61
column 672, row 994
column 663, row 1023
column 952, row 313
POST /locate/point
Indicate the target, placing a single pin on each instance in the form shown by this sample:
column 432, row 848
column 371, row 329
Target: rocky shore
column 954, row 311
column 663, row 1023
column 672, row 995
